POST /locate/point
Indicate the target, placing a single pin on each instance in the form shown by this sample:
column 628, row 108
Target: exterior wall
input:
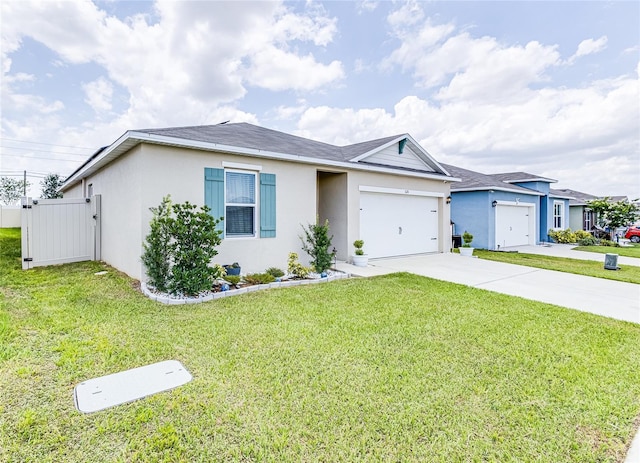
column 75, row 191
column 120, row 187
column 541, row 187
column 180, row 173
column 576, row 217
column 472, row 211
column 356, row 179
column 332, row 205
column 10, row 217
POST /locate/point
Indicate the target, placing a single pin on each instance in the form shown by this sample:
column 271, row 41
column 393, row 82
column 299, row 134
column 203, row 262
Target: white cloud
column 98, row 94
column 188, row 58
column 588, row 47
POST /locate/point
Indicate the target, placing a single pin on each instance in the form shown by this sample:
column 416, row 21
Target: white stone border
column 165, row 299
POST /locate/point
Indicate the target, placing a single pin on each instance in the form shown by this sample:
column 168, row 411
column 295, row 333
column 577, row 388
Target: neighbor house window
column 558, row 215
column 587, row 222
column 240, row 203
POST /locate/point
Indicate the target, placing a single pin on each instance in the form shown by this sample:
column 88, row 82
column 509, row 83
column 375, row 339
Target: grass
column 627, row 273
column 394, row 368
column 627, row 251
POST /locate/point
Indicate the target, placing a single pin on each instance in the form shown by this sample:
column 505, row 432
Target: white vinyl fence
column 58, row 231
column 10, row 216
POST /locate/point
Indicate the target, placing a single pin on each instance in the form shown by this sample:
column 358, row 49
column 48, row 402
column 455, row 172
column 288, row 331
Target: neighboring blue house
column 505, row 210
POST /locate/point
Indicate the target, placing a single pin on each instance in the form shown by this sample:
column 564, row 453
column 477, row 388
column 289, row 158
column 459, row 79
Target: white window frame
column 559, row 216
column 256, row 203
column 587, row 219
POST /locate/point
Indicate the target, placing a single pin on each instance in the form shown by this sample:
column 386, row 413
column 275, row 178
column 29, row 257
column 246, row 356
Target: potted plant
column 466, row 249
column 233, row 269
column 359, row 259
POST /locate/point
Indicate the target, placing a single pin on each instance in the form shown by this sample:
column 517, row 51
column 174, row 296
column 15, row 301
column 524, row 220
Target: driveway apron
column 608, row 298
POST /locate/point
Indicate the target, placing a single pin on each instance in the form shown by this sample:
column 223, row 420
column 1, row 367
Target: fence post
column 97, row 215
column 26, row 232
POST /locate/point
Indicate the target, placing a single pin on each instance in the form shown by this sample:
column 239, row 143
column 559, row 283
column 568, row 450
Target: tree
column 614, row 214
column 11, row 190
column 51, row 186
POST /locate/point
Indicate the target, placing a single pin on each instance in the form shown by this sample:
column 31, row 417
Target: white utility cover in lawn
column 514, row 225
column 120, row 388
column 398, row 224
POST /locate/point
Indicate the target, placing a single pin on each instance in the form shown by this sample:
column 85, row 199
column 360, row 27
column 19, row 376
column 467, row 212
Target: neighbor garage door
column 514, row 226
column 398, row 224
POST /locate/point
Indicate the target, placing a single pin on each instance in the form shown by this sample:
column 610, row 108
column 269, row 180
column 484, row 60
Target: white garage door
column 398, row 224
column 513, row 226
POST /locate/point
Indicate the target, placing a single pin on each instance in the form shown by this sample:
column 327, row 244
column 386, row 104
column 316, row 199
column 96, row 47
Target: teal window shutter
column 267, row 205
column 214, row 193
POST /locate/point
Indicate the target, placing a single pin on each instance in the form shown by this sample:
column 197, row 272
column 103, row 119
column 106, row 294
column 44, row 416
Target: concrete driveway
column 595, row 295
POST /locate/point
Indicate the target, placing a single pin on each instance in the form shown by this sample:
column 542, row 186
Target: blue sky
column 550, row 88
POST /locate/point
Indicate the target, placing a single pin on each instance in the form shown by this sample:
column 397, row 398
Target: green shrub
column 233, row 279
column 259, row 278
column 613, row 244
column 588, row 241
column 582, row 234
column 155, row 257
column 179, row 248
column 316, row 243
column 295, row 268
column 275, row 271
column 562, row 236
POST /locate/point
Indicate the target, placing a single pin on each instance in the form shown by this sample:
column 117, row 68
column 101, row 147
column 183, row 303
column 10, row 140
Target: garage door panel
column 513, row 225
column 394, row 225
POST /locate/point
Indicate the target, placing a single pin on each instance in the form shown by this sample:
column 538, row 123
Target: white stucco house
column 389, row 192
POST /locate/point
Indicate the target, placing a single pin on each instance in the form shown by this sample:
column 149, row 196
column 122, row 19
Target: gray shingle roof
column 246, row 135
column 579, row 198
column 510, row 177
column 477, row 181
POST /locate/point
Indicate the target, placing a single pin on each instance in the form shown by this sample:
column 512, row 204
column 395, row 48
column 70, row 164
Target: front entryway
column 398, row 224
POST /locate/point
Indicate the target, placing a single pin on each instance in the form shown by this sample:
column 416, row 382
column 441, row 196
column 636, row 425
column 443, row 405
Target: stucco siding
column 180, row 173
column 472, row 211
column 120, row 188
column 576, row 217
column 332, row 205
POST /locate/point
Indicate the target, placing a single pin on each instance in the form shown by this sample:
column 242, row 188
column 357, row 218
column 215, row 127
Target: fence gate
column 58, row 231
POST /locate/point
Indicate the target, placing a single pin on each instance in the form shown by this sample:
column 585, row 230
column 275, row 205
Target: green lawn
column 627, row 273
column 394, row 368
column 627, row 251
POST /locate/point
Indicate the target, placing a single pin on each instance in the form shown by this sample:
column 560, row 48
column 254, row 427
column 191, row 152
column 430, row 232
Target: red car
column 633, row 234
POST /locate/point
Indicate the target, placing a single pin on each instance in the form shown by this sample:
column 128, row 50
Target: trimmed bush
column 179, row 249
column 258, row 278
column 275, row 271
column 562, row 236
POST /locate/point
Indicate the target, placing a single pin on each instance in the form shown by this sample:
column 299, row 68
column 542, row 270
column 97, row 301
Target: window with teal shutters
column 267, row 205
column 214, row 198
column 214, row 193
